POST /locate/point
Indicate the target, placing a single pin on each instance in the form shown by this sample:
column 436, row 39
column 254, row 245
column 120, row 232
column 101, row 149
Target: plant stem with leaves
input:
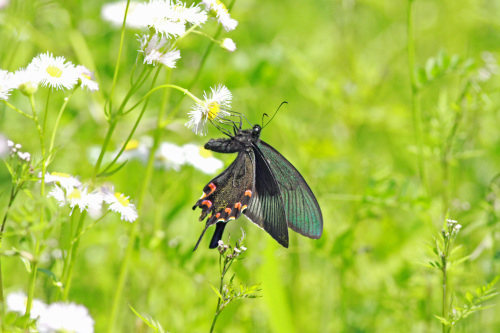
column 227, row 293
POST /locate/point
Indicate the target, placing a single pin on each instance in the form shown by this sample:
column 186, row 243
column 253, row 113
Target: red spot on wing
column 248, row 193
column 207, row 203
column 212, row 188
column 237, row 205
column 228, row 210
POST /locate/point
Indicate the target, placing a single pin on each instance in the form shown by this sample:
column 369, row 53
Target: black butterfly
column 263, row 185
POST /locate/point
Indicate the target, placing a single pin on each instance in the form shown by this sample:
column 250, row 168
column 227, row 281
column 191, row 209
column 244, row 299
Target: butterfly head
column 256, row 131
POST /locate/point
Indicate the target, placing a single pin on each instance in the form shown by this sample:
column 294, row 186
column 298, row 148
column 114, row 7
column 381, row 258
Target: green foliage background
column 348, row 127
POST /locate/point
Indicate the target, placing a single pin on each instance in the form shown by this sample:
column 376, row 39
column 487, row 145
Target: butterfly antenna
column 279, row 107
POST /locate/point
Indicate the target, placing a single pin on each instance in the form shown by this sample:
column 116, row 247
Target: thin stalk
column 217, row 310
column 58, row 119
column 117, row 67
column 135, row 226
column 13, row 194
column 17, row 110
column 415, row 95
column 34, row 264
column 72, row 256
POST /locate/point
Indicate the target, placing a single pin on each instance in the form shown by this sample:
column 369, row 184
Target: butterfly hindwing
column 302, row 209
column 266, row 208
column 227, row 195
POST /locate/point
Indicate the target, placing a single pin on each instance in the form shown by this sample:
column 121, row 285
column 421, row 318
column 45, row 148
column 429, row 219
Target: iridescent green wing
column 301, row 207
column 266, row 207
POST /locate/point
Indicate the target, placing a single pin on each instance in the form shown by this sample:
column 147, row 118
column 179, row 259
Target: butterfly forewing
column 267, row 208
column 302, row 208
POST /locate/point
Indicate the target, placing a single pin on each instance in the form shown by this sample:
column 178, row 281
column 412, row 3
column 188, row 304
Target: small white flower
column 201, row 159
column 171, row 156
column 77, row 197
column 212, row 109
column 24, row 156
column 6, row 84
column 87, row 78
column 228, row 45
column 67, row 181
column 222, row 14
column 153, row 53
column 119, row 203
column 243, row 248
column 54, row 72
column 136, row 150
column 63, row 317
column 16, row 302
column 193, row 15
column 27, row 80
column 160, row 15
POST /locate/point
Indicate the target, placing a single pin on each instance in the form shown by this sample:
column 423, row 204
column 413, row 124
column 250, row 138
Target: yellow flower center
column 132, row 144
column 86, row 76
column 205, row 153
column 60, row 174
column 223, row 7
column 54, row 71
column 122, row 199
column 76, row 194
column 213, row 110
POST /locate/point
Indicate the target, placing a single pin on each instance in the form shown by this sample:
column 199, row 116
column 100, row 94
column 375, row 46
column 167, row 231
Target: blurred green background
column 348, row 128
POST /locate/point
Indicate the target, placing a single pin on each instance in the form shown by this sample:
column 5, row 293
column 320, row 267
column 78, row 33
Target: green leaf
column 155, row 325
column 217, row 292
column 443, row 320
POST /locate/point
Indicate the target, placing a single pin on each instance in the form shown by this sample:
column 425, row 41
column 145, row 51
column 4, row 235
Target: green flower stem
column 17, row 110
column 13, row 194
column 206, row 35
column 117, row 67
column 46, row 110
column 72, row 256
column 135, row 226
column 415, row 96
column 58, row 119
column 190, row 30
column 185, row 91
column 34, row 264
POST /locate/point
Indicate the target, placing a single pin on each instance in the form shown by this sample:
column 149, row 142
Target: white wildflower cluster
column 172, row 156
column 48, row 71
column 233, row 252
column 213, row 108
column 15, row 150
column 168, row 20
column 68, row 190
column 453, row 227
column 55, row 317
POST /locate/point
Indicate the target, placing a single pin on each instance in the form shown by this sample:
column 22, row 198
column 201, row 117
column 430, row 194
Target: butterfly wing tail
column 219, row 230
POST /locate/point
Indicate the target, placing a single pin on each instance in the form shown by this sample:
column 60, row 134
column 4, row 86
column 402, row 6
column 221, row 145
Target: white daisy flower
column 16, row 302
column 87, row 78
column 153, row 53
column 63, row 317
column 27, row 80
column 55, row 72
column 136, row 150
column 68, row 182
column 211, row 109
column 114, row 12
column 194, row 15
column 77, row 197
column 202, row 159
column 228, row 45
column 119, row 203
column 5, row 84
column 170, row 156
column 222, row 14
column 160, row 15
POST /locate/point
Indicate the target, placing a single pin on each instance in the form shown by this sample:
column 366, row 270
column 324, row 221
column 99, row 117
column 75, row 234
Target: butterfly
column 261, row 184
